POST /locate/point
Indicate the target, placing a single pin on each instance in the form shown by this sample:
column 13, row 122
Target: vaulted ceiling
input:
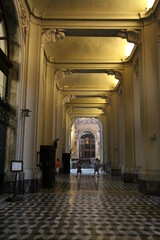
column 96, row 38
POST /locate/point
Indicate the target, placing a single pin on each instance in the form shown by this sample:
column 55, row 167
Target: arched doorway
column 87, row 145
column 79, row 130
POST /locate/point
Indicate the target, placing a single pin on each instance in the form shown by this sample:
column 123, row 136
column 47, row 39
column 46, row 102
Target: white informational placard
column 16, row 166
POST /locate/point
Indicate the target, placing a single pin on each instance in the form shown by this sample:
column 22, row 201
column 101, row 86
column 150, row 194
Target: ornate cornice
column 117, row 74
column 69, row 109
column 68, row 98
column 102, row 109
column 61, row 73
column 24, row 20
column 131, row 36
column 52, row 35
column 107, row 98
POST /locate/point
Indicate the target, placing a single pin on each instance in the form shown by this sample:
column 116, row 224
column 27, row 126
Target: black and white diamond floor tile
column 83, row 208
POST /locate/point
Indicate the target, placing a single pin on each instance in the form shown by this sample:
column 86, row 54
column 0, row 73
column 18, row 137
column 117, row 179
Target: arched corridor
column 61, row 62
column 80, row 80
column 85, row 208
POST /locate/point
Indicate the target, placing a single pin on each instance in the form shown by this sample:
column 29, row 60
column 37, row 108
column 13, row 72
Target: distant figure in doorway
column 57, row 166
column 79, row 170
column 96, row 167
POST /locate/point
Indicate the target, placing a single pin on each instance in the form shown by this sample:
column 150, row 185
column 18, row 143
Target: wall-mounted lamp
column 25, row 112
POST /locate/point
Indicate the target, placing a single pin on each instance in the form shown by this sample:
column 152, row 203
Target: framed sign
column 16, row 166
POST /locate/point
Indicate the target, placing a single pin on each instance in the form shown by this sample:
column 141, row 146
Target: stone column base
column 30, row 181
column 149, row 187
column 115, row 172
column 129, row 175
column 149, row 182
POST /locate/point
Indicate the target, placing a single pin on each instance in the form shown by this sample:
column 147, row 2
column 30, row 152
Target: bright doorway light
column 129, row 49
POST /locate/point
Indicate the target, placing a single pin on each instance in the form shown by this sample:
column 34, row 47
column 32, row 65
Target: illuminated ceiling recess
column 150, row 4
column 93, row 40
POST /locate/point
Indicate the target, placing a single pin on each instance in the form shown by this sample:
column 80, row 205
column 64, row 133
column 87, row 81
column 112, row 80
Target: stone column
column 149, row 176
column 121, row 129
column 68, row 132
column 31, row 171
column 41, row 100
column 128, row 169
column 129, row 162
column 54, row 111
column 64, row 148
column 48, row 126
column 75, row 148
column 67, row 123
column 115, row 169
column 137, row 118
column 108, row 136
column 103, row 137
column 59, row 128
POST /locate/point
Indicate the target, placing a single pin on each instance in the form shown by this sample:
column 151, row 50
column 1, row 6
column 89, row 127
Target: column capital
column 102, row 109
column 117, row 74
column 68, row 98
column 131, row 36
column 52, row 35
column 61, row 73
column 108, row 99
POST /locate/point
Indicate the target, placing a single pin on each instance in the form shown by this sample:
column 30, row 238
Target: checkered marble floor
column 83, row 207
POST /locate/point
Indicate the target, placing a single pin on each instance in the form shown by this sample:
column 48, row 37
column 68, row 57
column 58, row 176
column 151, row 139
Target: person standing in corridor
column 96, row 167
column 57, row 166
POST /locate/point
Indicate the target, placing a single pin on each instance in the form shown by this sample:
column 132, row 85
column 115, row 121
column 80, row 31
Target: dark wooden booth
column 66, row 162
column 47, row 165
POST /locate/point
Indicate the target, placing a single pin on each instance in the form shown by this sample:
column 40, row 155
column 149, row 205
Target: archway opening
column 87, row 145
column 86, row 141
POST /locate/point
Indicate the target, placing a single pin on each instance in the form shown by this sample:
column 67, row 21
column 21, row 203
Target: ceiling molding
column 61, row 16
column 83, row 16
column 83, row 91
column 88, row 65
column 88, row 93
column 92, row 24
column 86, row 105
